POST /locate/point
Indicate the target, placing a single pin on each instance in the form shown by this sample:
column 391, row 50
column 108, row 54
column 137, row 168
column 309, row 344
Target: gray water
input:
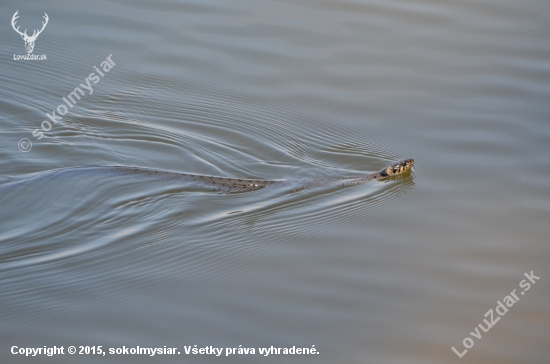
column 386, row 272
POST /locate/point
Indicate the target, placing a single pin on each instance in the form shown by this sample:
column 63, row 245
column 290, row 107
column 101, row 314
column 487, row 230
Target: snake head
column 398, row 168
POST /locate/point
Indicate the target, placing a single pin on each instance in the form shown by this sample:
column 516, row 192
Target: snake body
column 221, row 184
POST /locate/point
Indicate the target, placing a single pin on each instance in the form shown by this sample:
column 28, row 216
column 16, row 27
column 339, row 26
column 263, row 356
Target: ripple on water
column 114, row 214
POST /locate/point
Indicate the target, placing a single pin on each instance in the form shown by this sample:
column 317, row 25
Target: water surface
column 386, row 272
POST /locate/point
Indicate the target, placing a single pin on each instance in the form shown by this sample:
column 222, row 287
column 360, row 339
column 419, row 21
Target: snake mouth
column 400, row 167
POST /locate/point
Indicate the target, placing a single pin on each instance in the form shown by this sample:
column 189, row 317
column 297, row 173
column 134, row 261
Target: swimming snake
column 220, row 184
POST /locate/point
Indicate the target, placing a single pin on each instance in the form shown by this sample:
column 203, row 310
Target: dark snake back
column 221, row 184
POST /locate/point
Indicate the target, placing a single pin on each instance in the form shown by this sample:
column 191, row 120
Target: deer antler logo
column 29, row 41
